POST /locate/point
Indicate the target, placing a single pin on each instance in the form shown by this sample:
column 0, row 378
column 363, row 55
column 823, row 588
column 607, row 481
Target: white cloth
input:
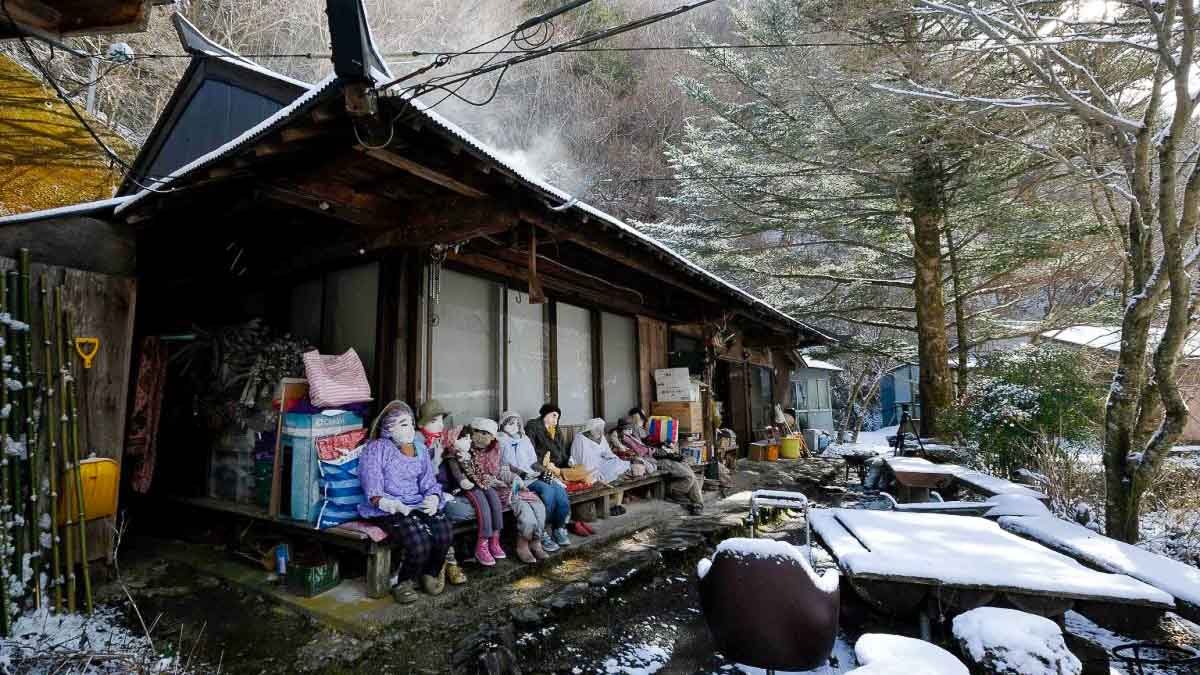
column 518, row 452
column 597, row 458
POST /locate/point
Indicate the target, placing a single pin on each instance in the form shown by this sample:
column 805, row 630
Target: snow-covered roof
column 810, row 362
column 1108, row 338
column 572, row 203
column 197, row 43
column 565, row 201
column 83, row 209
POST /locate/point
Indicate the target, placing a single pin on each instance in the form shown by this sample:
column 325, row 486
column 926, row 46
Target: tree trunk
column 867, row 399
column 932, row 348
column 960, row 316
column 841, row 435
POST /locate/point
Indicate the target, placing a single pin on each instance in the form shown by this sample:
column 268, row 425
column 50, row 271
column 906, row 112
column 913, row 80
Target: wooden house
column 353, row 216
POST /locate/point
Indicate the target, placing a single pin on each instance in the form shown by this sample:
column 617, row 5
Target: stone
column 998, row 641
column 572, row 595
column 527, row 616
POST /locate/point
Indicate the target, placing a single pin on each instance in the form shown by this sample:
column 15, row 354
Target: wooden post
column 379, row 571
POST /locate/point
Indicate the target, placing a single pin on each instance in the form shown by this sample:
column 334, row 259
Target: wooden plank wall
column 101, row 306
column 652, row 354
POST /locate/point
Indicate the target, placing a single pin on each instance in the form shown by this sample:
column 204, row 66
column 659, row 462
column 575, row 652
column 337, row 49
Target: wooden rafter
column 421, row 171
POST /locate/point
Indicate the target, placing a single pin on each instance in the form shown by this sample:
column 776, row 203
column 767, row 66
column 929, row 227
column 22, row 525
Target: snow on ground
column 842, row 661
column 1176, row 578
column 868, row 442
column 1083, row 627
column 883, row 654
column 42, row 642
column 1011, row 641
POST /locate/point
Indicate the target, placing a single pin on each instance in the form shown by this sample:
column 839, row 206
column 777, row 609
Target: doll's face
column 551, row 419
column 481, row 439
column 638, row 421
column 435, row 425
column 512, row 428
column 402, row 429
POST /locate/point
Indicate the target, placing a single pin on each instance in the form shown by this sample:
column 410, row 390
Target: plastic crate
column 310, row 580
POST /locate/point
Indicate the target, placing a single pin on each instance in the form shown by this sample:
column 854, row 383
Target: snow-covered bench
column 896, row 560
column 991, row 486
column 1096, row 550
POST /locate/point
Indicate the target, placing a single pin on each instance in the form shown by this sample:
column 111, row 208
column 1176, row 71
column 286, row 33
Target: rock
column 1016, row 505
column 946, row 454
column 572, row 595
column 527, row 616
column 882, row 654
column 1009, row 642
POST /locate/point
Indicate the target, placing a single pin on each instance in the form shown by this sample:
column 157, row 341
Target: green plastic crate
column 310, row 580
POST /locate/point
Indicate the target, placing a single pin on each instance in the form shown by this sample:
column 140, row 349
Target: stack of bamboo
column 39, row 445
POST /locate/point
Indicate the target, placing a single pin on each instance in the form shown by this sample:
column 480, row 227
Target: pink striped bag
column 335, row 380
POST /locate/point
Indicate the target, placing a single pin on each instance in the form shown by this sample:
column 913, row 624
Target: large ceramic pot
column 766, row 608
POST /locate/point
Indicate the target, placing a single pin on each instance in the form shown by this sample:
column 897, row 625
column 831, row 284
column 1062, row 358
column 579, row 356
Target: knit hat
column 638, row 411
column 484, row 424
column 548, row 408
column 429, row 410
column 626, row 423
column 509, row 415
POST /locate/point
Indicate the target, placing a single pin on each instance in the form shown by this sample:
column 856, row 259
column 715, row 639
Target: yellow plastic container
column 101, row 476
column 790, row 447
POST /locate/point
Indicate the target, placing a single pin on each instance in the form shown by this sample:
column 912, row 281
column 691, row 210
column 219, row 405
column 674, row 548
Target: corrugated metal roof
column 101, row 208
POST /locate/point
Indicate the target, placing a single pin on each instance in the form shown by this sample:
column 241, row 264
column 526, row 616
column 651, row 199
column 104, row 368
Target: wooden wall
column 652, row 354
column 101, row 306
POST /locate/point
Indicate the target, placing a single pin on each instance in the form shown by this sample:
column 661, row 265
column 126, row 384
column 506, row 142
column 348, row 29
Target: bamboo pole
column 16, row 500
column 81, row 524
column 6, row 548
column 67, row 531
column 31, row 437
column 52, row 462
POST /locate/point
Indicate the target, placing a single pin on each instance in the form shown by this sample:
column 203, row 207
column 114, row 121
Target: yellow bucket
column 790, row 448
column 100, row 477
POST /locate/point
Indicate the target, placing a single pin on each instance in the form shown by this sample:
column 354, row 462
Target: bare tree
column 1112, row 92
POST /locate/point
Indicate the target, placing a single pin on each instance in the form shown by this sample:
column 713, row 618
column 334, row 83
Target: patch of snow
column 43, row 634
column 882, row 654
column 702, row 567
column 1016, row 505
column 1176, row 578
column 842, row 661
column 1008, row 641
column 772, row 548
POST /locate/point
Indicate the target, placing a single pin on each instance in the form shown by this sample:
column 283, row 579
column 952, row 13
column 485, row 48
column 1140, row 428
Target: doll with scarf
column 431, row 427
column 519, row 455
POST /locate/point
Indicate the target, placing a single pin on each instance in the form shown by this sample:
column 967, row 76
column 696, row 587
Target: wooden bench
column 605, row 493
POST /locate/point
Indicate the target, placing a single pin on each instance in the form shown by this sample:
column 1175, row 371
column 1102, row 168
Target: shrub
column 1016, row 399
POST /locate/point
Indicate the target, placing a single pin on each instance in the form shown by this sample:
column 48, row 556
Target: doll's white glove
column 389, row 505
column 430, row 505
column 466, row 484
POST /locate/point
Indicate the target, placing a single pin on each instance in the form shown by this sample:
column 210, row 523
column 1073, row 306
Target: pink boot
column 482, row 554
column 494, row 547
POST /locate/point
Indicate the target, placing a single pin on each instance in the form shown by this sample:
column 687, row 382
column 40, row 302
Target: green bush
column 1015, row 399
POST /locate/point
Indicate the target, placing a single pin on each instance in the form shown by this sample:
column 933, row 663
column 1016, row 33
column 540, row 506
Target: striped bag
column 341, row 491
column 335, row 380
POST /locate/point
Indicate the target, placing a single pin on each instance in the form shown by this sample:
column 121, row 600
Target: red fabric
column 332, row 447
column 142, row 439
column 577, row 486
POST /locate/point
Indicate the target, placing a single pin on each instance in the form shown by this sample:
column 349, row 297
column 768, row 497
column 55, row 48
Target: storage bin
column 100, row 477
column 231, row 476
column 791, row 447
column 309, row 580
column 298, row 442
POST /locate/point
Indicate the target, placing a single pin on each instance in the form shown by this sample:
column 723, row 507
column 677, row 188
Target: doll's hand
column 466, row 484
column 430, row 505
column 394, row 506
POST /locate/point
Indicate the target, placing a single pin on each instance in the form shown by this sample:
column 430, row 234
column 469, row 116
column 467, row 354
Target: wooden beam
column 563, row 287
column 326, row 207
column 424, row 172
column 642, row 262
column 34, row 15
column 454, row 220
column 292, row 135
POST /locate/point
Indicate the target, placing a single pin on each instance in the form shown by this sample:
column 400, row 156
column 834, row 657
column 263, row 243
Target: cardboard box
column 672, row 377
column 677, row 394
column 687, row 412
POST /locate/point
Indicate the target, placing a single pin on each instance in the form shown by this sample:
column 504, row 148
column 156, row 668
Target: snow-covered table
column 897, row 561
column 991, row 485
column 916, row 476
column 1180, row 580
